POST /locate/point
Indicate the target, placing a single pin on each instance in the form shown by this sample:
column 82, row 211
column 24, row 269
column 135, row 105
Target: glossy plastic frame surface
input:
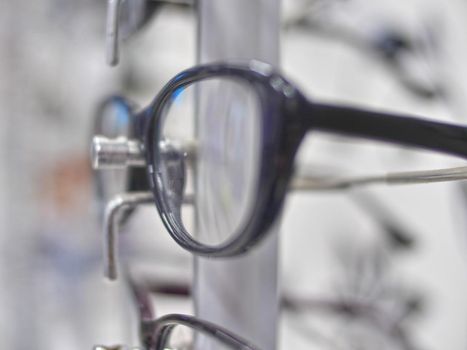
column 286, row 118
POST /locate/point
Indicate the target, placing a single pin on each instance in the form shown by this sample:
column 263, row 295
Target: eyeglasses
column 125, row 17
column 114, row 120
column 229, row 134
column 176, row 331
column 350, row 317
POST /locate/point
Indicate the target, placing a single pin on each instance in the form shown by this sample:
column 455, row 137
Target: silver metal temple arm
column 121, row 152
column 311, row 183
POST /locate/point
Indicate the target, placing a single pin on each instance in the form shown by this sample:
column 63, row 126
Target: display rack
column 240, row 294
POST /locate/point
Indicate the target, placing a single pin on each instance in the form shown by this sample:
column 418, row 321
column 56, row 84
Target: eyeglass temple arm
column 312, row 183
column 387, row 127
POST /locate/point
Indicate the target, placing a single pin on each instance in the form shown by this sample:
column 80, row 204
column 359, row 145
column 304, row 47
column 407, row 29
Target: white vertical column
column 240, row 293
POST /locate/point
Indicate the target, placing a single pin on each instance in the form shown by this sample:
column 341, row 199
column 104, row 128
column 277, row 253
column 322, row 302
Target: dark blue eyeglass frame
column 155, row 332
column 286, row 117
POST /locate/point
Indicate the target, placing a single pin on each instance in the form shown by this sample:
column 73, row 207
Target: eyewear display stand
column 241, row 293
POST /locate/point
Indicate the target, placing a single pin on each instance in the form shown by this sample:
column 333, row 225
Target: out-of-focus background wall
column 399, row 56
column 53, row 78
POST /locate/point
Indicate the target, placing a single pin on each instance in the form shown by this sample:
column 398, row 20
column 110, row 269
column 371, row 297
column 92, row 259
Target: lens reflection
column 214, row 125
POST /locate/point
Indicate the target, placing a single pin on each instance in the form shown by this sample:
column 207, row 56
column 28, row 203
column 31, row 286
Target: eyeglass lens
column 225, row 131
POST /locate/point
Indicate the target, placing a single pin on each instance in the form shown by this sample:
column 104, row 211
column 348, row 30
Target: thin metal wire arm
column 311, row 183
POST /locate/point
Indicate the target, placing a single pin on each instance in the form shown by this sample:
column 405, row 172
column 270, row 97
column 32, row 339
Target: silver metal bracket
column 111, row 33
column 116, row 153
column 115, row 208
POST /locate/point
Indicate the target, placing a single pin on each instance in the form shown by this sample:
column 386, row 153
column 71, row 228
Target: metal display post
column 240, row 293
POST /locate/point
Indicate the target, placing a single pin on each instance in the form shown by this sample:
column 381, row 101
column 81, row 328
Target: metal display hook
column 137, row 13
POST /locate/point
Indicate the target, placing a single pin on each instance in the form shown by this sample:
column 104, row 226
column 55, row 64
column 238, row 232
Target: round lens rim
column 164, row 325
column 274, row 173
